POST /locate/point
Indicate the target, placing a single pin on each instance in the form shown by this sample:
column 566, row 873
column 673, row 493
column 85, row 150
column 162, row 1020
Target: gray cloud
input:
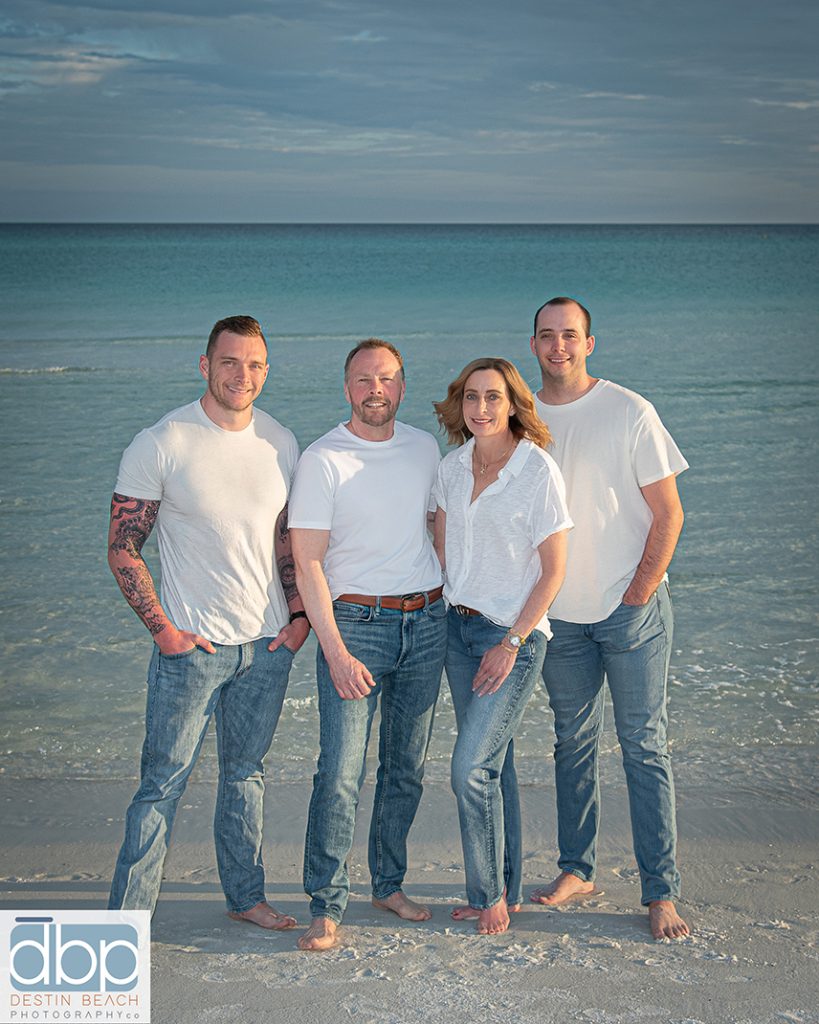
column 789, row 104
column 364, row 36
column 295, row 105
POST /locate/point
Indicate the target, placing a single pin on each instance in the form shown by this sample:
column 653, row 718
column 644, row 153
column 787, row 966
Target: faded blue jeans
column 483, row 762
column 404, row 651
column 243, row 686
column 631, row 648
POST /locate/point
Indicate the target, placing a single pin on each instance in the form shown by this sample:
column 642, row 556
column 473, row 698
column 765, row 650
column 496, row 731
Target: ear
column 346, row 392
column 589, row 344
column 532, row 345
column 204, row 366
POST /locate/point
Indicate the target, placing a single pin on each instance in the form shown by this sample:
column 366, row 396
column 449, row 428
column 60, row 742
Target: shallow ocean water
column 717, row 326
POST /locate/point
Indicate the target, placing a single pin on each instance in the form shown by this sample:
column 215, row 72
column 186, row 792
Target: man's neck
column 369, row 433
column 555, row 392
column 227, row 419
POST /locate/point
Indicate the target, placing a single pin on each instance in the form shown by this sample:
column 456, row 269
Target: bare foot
column 494, row 920
column 563, row 889
column 264, row 916
column 466, row 913
column 665, row 922
column 407, row 909
column 320, row 935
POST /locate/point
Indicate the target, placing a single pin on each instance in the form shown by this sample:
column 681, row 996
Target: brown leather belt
column 403, row 602
column 462, row 609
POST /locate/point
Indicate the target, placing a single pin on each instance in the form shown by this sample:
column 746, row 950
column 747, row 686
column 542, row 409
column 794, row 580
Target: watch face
column 515, row 640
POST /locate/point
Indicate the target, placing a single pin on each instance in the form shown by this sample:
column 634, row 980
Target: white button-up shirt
column 492, row 560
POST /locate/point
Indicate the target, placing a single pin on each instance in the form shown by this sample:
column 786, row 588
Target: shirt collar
column 465, row 451
column 513, row 467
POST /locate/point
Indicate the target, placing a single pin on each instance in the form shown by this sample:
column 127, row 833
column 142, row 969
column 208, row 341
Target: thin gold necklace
column 483, row 466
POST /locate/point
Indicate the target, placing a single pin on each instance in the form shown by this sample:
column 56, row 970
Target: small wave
column 25, row 371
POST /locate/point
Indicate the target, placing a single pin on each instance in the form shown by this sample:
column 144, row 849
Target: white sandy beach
column 749, row 872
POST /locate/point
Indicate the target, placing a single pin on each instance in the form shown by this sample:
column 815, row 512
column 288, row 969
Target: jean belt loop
column 377, row 609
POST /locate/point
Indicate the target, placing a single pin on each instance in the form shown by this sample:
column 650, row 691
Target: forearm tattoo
column 284, row 557
column 287, row 574
column 132, row 520
column 138, row 588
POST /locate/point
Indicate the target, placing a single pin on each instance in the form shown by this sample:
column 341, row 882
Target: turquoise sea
column 100, row 334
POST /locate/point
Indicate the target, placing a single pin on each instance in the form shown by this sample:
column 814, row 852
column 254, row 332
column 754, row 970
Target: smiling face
column 235, row 372
column 486, row 404
column 374, row 388
column 562, row 346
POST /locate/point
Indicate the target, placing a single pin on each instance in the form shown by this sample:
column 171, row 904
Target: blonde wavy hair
column 524, row 423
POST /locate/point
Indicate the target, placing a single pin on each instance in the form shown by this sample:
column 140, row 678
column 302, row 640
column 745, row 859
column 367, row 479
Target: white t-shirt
column 609, row 443
column 373, row 497
column 492, row 561
column 221, row 492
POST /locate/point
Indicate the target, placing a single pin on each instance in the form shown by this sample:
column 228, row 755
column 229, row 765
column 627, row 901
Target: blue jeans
column 244, row 687
column 631, row 648
column 483, row 762
column 404, row 651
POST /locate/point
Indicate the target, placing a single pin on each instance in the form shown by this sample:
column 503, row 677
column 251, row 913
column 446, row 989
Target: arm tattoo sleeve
column 287, row 574
column 284, row 557
column 282, row 532
column 138, row 588
column 132, row 520
column 135, row 519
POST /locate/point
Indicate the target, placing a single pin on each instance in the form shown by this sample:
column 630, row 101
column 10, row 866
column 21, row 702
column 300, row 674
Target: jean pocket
column 343, row 611
column 177, row 657
column 634, row 624
column 437, row 610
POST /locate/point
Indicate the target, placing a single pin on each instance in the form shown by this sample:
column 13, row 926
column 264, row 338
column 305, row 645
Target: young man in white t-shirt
column 372, row 587
column 613, row 615
column 213, row 477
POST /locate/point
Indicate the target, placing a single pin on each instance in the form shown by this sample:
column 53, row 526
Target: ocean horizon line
column 411, row 224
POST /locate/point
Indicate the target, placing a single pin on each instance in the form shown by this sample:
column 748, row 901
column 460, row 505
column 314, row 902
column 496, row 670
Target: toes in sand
column 493, row 920
column 665, row 922
column 264, row 916
column 404, row 907
column 564, row 888
column 322, row 934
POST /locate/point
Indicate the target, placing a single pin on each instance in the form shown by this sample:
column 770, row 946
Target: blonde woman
column 500, row 532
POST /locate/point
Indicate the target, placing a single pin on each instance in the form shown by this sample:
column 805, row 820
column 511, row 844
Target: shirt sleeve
column 439, row 489
column 655, row 456
column 550, row 513
column 140, row 469
column 292, row 458
column 312, row 498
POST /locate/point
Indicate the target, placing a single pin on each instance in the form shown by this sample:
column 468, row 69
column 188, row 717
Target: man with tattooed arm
column 213, row 477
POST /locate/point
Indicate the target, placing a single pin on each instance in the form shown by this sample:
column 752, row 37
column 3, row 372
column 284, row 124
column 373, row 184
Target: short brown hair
column 564, row 300
column 244, row 325
column 368, row 343
column 524, row 422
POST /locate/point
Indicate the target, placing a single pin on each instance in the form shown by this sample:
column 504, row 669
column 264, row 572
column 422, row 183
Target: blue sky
column 352, row 110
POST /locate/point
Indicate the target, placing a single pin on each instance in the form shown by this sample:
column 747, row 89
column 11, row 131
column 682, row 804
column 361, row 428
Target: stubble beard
column 375, row 417
column 235, row 406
